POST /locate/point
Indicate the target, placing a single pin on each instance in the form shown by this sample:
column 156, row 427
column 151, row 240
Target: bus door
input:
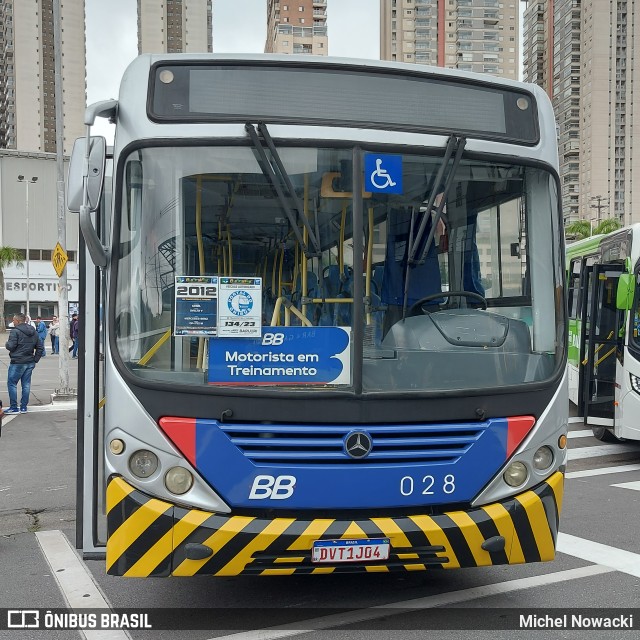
column 91, row 529
column 601, row 344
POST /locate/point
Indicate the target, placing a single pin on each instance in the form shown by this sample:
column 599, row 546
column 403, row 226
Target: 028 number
column 408, row 485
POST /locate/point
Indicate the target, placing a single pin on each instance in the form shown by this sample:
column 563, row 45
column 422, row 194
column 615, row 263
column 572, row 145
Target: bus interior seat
column 342, row 310
column 332, row 285
column 377, row 276
column 314, row 290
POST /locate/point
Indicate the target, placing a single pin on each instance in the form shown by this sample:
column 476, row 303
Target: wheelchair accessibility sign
column 382, row 173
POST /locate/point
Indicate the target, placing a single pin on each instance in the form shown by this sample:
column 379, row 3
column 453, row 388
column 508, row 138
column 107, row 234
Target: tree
column 579, row 229
column 8, row 255
column 582, row 228
column 607, row 226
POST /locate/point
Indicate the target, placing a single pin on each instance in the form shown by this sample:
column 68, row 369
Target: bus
column 325, row 319
column 604, row 343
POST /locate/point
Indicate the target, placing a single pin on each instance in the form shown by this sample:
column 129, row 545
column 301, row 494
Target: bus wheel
column 605, row 435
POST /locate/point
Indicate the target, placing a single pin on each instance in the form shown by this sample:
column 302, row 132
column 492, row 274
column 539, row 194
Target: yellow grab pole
column 343, row 222
column 305, row 237
column 280, row 271
column 201, row 262
column 275, row 318
column 305, row 321
column 598, row 349
column 367, row 290
column 152, row 352
column 219, row 248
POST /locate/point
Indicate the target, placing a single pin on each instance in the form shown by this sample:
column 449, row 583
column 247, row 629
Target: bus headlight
column 635, row 383
column 543, row 458
column 143, row 463
column 178, row 480
column 515, row 474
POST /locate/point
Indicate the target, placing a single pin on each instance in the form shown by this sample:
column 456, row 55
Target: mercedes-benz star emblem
column 358, row 444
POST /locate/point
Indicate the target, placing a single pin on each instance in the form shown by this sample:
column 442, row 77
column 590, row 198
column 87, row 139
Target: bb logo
column 272, row 339
column 240, row 303
column 278, row 488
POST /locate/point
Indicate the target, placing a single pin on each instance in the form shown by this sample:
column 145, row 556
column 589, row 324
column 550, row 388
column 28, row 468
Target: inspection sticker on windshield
column 195, row 305
column 239, row 307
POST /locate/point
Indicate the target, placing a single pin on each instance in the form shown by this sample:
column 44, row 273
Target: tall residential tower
column 472, row 35
column 174, row 26
column 591, row 51
column 297, row 26
column 27, row 74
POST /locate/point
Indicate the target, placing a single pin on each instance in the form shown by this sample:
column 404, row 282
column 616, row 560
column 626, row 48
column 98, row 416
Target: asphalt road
column 598, row 564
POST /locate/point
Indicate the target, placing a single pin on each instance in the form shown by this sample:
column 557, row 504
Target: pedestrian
column 41, row 328
column 29, row 321
column 54, row 334
column 25, row 349
column 74, row 336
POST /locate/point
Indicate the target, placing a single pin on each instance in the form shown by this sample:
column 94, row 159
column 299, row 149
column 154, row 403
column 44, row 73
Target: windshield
column 232, row 272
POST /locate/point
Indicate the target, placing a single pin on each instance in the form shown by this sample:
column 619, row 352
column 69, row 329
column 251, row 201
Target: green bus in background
column 604, row 337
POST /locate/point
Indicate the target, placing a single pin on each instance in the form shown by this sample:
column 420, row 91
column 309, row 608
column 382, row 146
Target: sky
column 112, row 38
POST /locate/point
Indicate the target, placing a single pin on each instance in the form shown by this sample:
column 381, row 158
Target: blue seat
column 343, row 310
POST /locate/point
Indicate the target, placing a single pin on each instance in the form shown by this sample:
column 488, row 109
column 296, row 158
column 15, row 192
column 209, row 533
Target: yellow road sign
column 59, row 259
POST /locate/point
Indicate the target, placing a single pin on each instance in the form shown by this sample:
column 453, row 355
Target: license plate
column 335, row 551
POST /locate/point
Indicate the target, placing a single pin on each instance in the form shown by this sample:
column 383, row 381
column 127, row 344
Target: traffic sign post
column 59, row 259
column 63, row 392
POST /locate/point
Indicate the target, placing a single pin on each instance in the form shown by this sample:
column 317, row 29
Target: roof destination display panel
column 360, row 97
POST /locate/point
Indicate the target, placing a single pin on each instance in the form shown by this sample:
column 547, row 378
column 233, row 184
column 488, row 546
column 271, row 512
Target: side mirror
column 624, row 295
column 95, row 173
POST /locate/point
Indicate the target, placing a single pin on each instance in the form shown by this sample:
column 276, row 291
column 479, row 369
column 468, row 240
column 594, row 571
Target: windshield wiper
column 278, row 180
column 457, row 143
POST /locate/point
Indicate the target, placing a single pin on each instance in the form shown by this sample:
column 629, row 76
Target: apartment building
column 27, row 75
column 591, row 53
column 174, row 26
column 551, row 59
column 297, row 27
column 471, row 35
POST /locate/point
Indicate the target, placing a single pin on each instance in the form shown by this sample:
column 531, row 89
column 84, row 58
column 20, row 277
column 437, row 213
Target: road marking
column 58, row 406
column 602, row 471
column 602, row 450
column 64, row 486
column 628, row 485
column 41, row 408
column 582, row 433
column 437, row 600
column 576, row 420
column 618, row 559
column 75, row 581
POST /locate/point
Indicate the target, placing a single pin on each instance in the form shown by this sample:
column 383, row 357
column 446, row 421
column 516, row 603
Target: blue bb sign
column 283, row 356
column 382, row 173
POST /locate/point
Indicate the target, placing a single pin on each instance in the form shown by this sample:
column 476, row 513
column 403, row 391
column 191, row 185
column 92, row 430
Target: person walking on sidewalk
column 41, row 328
column 54, row 334
column 74, row 336
column 25, row 348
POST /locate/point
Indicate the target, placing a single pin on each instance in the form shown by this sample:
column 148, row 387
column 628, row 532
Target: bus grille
column 312, row 445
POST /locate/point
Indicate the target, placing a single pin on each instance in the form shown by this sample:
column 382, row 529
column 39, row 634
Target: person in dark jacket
column 75, row 332
column 25, row 348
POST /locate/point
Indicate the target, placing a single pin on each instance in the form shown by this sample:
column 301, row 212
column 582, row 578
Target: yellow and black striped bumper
column 149, row 537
